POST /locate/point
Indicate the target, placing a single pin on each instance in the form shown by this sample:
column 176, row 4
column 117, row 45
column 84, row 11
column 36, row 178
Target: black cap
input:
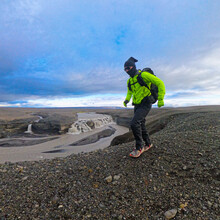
column 130, row 62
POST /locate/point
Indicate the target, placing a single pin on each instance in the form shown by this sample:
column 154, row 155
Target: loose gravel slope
column 180, row 172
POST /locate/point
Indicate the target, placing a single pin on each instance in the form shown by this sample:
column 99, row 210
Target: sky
column 65, row 53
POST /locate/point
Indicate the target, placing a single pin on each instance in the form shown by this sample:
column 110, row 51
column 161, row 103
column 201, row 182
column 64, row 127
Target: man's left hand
column 160, row 103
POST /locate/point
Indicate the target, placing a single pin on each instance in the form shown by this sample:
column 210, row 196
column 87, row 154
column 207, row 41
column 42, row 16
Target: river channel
column 91, row 132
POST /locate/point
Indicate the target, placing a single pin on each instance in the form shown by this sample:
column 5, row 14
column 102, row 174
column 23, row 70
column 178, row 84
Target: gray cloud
column 51, row 48
column 201, row 72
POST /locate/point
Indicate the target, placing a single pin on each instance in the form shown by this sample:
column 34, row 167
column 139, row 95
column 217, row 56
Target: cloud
column 201, row 72
column 97, row 100
column 78, row 48
column 196, row 82
column 193, row 99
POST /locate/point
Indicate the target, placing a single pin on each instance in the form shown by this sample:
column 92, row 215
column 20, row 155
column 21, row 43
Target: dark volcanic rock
column 123, row 121
column 14, row 127
column 46, row 126
column 20, row 142
column 55, row 151
column 124, row 138
column 52, row 124
column 91, row 124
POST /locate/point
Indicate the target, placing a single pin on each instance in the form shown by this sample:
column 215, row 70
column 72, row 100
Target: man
column 142, row 101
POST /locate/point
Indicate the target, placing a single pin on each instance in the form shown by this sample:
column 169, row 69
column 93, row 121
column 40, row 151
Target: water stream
column 29, row 128
column 87, row 127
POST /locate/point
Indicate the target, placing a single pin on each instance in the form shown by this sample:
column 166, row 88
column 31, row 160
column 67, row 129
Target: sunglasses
column 127, row 68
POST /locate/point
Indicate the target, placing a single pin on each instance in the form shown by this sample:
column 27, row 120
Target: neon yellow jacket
column 139, row 92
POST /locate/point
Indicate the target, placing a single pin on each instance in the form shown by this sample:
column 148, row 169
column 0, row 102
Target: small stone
column 55, row 199
column 215, row 206
column 3, row 171
column 20, row 169
column 183, row 205
column 209, row 204
column 108, row 179
column 170, row 214
column 60, row 206
column 120, row 217
column 25, row 178
column 116, row 177
column 184, row 168
column 81, row 200
column 95, row 185
column 101, row 205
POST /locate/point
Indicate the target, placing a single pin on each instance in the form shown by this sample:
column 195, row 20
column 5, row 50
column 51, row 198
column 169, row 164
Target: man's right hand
column 125, row 103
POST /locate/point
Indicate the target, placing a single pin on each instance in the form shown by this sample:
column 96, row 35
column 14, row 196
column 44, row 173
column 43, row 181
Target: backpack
column 153, row 89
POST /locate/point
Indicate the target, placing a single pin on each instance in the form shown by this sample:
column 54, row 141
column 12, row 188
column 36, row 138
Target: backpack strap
column 141, row 81
column 130, row 84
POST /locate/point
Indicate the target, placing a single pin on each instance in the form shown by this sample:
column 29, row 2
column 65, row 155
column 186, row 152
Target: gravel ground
column 180, row 172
